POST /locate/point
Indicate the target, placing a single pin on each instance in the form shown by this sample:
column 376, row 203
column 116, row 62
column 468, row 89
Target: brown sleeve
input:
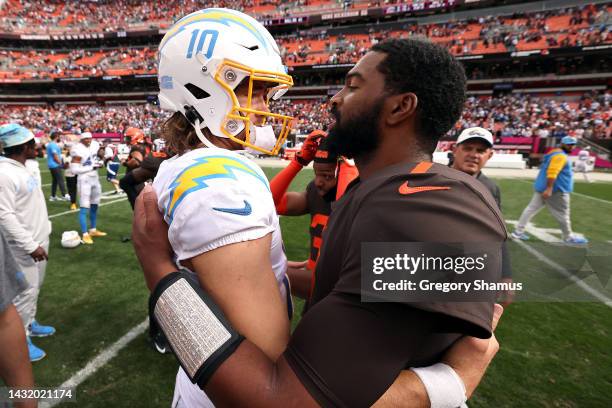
column 347, row 353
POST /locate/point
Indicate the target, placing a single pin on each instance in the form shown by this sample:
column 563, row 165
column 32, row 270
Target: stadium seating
column 539, row 31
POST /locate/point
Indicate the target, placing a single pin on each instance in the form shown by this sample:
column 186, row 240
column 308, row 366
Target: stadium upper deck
column 540, row 32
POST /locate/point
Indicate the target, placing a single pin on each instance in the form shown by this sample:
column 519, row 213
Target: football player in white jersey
column 582, row 163
column 84, row 164
column 222, row 221
column 218, row 70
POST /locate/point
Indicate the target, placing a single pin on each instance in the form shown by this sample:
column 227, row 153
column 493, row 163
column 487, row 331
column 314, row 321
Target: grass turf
column 552, row 354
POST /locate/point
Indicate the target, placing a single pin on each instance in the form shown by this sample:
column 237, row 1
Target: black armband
column 198, row 332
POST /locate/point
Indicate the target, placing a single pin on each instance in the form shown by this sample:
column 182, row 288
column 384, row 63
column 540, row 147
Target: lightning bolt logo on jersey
column 195, row 177
column 214, row 197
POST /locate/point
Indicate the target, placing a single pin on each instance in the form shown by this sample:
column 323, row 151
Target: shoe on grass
column 36, row 354
column 87, row 239
column 519, row 235
column 39, row 330
column 576, row 240
column 95, row 233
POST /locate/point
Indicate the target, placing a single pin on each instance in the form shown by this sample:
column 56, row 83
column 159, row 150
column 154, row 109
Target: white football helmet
column 204, row 57
column 70, row 239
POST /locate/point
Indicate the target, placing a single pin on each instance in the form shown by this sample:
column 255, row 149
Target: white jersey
column 211, row 198
column 34, row 168
column 584, row 156
column 123, row 151
column 23, row 211
column 89, row 157
column 215, row 197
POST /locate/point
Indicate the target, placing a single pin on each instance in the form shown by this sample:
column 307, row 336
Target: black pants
column 57, row 179
column 71, row 182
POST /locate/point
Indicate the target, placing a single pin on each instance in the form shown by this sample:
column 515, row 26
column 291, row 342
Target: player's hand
column 39, row 254
column 297, row 264
column 505, row 297
column 470, row 356
column 150, row 238
column 547, row 193
column 309, row 148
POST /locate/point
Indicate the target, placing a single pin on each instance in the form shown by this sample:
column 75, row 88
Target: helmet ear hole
column 192, row 115
column 196, row 91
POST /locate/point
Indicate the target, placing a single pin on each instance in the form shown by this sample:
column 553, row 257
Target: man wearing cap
column 471, row 153
column 25, row 224
column 553, row 186
column 84, row 165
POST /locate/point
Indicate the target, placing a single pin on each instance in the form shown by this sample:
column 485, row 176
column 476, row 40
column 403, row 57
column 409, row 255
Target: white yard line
column 544, row 235
column 75, row 211
column 593, row 292
column 100, row 360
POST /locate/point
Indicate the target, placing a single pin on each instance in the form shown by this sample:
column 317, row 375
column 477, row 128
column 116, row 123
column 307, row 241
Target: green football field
column 552, row 354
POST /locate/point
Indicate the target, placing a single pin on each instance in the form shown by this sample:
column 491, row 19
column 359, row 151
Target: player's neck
column 388, row 155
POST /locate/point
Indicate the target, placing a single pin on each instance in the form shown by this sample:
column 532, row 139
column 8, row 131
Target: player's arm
column 300, row 278
column 57, row 159
column 293, row 203
column 77, row 167
column 239, row 278
column 554, row 168
column 134, row 160
column 140, row 175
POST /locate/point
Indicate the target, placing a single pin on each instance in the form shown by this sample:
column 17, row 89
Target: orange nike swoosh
column 405, row 189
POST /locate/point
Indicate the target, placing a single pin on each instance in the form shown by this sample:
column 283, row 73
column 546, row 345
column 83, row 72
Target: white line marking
column 593, row 198
column 101, row 359
column 593, row 292
column 75, row 211
column 543, row 234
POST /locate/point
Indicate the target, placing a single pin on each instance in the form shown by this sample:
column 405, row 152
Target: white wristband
column 444, row 387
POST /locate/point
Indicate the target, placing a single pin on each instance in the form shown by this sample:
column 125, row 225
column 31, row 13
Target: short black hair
column 430, row 72
column 16, row 150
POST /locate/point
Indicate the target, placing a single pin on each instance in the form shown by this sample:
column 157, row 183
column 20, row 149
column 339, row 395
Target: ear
column 401, row 108
column 454, row 148
column 491, row 152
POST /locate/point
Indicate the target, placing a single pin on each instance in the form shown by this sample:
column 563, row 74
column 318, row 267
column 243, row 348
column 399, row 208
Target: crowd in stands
column 76, row 63
column 588, row 116
column 523, row 115
column 579, row 26
column 31, row 16
column 587, row 25
column 77, row 118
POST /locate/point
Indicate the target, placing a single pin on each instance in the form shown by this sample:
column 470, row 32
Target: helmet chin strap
column 201, row 136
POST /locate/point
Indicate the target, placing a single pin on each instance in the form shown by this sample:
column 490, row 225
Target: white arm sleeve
column 77, row 168
column 108, row 169
column 9, row 223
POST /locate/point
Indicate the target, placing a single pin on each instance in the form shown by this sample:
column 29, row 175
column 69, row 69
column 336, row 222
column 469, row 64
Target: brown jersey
column 319, row 210
column 347, row 352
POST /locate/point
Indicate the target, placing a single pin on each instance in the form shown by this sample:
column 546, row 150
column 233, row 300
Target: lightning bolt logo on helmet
column 204, row 57
column 193, row 178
